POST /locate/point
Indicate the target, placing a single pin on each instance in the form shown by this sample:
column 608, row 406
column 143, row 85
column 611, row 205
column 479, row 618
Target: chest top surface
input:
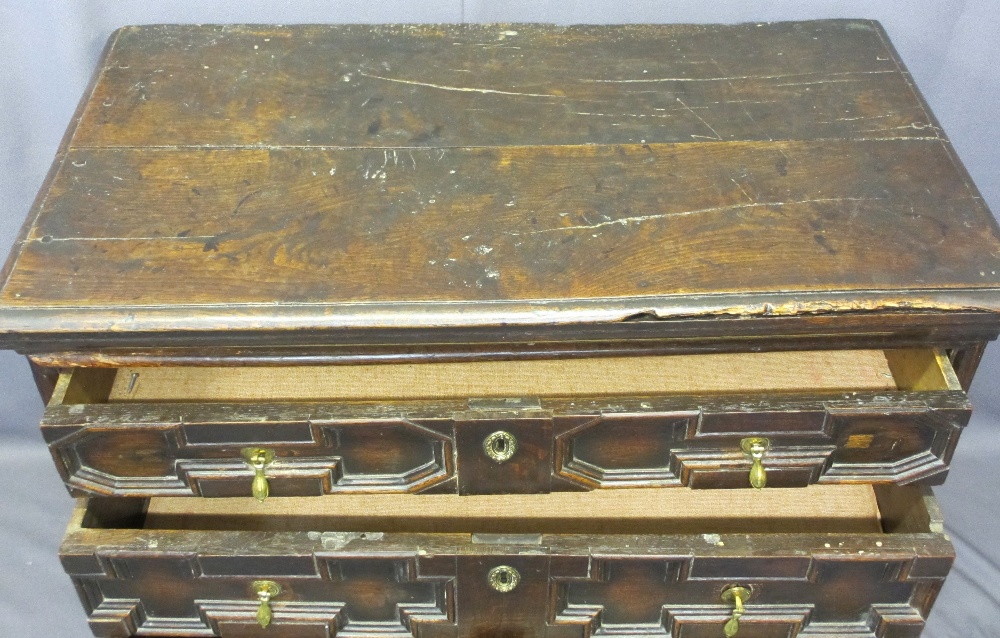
column 310, row 178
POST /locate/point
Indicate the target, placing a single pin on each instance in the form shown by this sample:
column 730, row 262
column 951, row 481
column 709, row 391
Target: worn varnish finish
column 917, row 336
column 155, row 445
column 501, row 223
column 273, row 187
column 173, row 582
column 183, row 449
column 396, row 86
column 328, row 195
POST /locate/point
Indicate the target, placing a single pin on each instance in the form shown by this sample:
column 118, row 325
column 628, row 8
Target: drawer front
column 357, row 584
column 204, row 453
column 876, row 439
column 564, row 596
column 194, row 449
column 317, row 430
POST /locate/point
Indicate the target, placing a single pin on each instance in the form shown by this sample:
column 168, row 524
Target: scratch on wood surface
column 630, row 114
column 907, row 78
column 919, row 126
column 860, row 117
column 922, row 138
column 818, row 82
column 47, row 239
column 624, row 221
column 244, row 200
column 739, row 77
column 742, row 190
column 746, row 111
column 700, row 119
column 379, row 173
column 464, row 89
column 659, row 111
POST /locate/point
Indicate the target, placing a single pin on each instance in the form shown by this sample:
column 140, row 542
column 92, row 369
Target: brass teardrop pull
column 258, row 459
column 755, row 447
column 265, row 590
column 734, row 596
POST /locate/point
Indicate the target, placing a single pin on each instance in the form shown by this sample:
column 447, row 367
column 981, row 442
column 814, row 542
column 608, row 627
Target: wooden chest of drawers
column 429, row 330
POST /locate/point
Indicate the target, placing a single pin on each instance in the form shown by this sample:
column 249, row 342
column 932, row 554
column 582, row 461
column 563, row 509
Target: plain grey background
column 50, row 48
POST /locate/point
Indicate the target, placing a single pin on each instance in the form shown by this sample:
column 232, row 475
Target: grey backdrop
column 50, row 47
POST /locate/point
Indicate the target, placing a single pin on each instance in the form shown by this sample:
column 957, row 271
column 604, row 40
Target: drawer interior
column 818, row 508
column 806, row 371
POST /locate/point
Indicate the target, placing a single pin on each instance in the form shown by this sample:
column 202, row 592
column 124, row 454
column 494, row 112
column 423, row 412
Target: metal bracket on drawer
column 505, row 404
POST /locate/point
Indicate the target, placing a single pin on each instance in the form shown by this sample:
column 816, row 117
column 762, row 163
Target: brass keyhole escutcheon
column 500, row 446
column 258, row 459
column 265, row 590
column 504, row 578
column 735, row 596
column 755, row 447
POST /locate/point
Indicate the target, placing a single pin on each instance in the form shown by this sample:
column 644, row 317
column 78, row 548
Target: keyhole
column 500, row 446
column 504, row 578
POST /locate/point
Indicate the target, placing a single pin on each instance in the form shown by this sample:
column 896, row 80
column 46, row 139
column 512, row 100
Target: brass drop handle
column 500, row 446
column 504, row 578
column 734, row 596
column 265, row 590
column 755, row 447
column 258, row 459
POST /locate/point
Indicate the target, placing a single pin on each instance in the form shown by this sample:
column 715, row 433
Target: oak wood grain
column 323, row 184
column 172, row 228
column 482, row 85
column 180, row 431
column 183, row 582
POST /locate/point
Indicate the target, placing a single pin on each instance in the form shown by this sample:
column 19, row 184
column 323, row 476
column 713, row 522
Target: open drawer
column 840, row 560
column 781, row 419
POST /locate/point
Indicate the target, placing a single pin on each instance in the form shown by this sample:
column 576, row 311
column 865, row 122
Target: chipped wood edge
column 54, row 321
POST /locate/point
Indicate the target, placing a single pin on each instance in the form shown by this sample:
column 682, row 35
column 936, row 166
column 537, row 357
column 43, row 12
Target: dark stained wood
column 178, row 452
column 270, row 187
column 638, row 335
column 572, row 443
column 908, row 509
column 45, row 379
column 772, row 333
column 111, row 513
column 57, row 163
column 529, row 471
column 483, row 85
column 505, row 224
column 181, row 582
column 484, row 612
column 966, row 362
